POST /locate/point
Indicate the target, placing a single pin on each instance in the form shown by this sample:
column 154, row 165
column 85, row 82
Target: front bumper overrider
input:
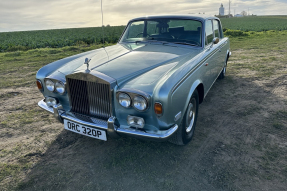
column 110, row 127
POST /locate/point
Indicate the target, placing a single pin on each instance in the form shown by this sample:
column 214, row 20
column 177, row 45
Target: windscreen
column 168, row 30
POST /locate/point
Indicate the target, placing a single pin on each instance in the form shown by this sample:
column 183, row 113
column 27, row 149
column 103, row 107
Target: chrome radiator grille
column 90, row 98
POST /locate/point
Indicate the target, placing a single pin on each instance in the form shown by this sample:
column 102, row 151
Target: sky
column 23, row 15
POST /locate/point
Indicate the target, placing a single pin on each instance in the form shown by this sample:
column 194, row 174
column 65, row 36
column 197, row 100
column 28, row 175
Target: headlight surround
column 139, row 103
column 60, row 87
column 50, row 85
column 124, row 100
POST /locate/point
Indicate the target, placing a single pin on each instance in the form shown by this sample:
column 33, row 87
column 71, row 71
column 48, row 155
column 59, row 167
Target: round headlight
column 50, row 85
column 139, row 103
column 60, row 87
column 124, row 99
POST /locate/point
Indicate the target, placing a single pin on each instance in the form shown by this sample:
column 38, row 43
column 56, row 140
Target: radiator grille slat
column 90, row 98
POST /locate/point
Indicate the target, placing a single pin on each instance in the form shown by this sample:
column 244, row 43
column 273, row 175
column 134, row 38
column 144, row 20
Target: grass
column 12, row 170
column 270, row 45
column 26, row 63
column 17, row 119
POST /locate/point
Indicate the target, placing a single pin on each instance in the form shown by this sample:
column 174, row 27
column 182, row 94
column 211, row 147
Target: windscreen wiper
column 153, row 40
column 184, row 43
column 138, row 41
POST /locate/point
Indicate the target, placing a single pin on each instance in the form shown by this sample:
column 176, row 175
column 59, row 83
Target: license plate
column 85, row 130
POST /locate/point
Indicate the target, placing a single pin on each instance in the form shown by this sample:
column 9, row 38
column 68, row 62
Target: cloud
column 20, row 15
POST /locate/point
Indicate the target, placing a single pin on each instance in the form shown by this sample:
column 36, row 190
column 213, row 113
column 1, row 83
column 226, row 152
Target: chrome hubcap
column 191, row 115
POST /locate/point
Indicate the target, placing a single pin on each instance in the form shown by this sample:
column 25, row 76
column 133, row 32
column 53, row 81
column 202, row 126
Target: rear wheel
column 186, row 129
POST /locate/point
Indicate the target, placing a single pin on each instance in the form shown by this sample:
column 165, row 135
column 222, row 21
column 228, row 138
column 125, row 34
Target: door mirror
column 215, row 40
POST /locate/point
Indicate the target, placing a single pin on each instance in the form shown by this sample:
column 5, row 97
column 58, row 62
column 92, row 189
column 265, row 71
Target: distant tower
column 221, row 10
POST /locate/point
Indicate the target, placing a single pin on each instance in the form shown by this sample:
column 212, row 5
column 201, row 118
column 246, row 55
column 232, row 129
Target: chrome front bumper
column 110, row 127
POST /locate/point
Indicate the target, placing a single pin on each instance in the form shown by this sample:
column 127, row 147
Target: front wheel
column 186, row 129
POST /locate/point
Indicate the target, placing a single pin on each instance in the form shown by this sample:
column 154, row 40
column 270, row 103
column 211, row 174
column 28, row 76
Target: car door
column 220, row 55
column 211, row 60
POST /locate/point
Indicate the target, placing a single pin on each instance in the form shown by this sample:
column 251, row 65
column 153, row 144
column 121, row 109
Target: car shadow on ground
column 234, row 137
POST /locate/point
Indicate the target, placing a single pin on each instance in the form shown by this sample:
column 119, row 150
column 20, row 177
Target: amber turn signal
column 158, row 108
column 39, row 84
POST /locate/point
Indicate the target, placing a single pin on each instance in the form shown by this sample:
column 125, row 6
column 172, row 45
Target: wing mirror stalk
column 214, row 41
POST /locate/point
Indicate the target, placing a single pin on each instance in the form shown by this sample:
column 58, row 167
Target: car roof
column 200, row 17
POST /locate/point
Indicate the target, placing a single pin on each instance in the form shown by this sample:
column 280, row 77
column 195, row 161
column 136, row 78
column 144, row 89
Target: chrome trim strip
column 153, row 135
column 43, row 105
column 177, row 116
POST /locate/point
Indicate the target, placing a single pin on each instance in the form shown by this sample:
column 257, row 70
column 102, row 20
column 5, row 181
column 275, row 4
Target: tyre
column 185, row 131
column 223, row 71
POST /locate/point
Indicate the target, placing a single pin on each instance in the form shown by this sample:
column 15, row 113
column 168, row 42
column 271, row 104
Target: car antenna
column 103, row 29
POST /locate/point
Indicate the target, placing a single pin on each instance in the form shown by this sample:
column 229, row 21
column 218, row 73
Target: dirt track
column 239, row 143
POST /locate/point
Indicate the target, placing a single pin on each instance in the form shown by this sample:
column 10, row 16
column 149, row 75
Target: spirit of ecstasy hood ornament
column 87, row 62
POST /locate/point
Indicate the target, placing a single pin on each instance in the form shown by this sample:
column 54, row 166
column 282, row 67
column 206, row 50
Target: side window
column 216, row 28
column 208, row 32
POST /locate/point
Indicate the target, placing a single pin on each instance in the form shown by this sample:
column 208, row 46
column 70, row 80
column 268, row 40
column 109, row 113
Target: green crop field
column 255, row 23
column 13, row 41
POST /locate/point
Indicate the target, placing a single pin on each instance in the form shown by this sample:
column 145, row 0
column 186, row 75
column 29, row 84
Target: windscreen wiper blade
column 139, row 41
column 159, row 41
column 185, row 43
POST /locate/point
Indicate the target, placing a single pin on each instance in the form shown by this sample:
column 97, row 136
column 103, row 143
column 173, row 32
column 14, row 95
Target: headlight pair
column 58, row 86
column 138, row 102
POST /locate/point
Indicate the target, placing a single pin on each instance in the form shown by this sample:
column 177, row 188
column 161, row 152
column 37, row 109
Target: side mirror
column 215, row 40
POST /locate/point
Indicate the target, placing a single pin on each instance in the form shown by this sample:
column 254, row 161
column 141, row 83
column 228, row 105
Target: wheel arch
column 200, row 90
column 197, row 85
column 177, row 137
column 228, row 54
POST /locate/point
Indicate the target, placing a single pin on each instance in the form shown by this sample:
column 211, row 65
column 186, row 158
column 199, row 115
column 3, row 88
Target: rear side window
column 216, row 28
column 208, row 31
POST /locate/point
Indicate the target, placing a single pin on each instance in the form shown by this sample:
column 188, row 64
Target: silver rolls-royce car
column 149, row 85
